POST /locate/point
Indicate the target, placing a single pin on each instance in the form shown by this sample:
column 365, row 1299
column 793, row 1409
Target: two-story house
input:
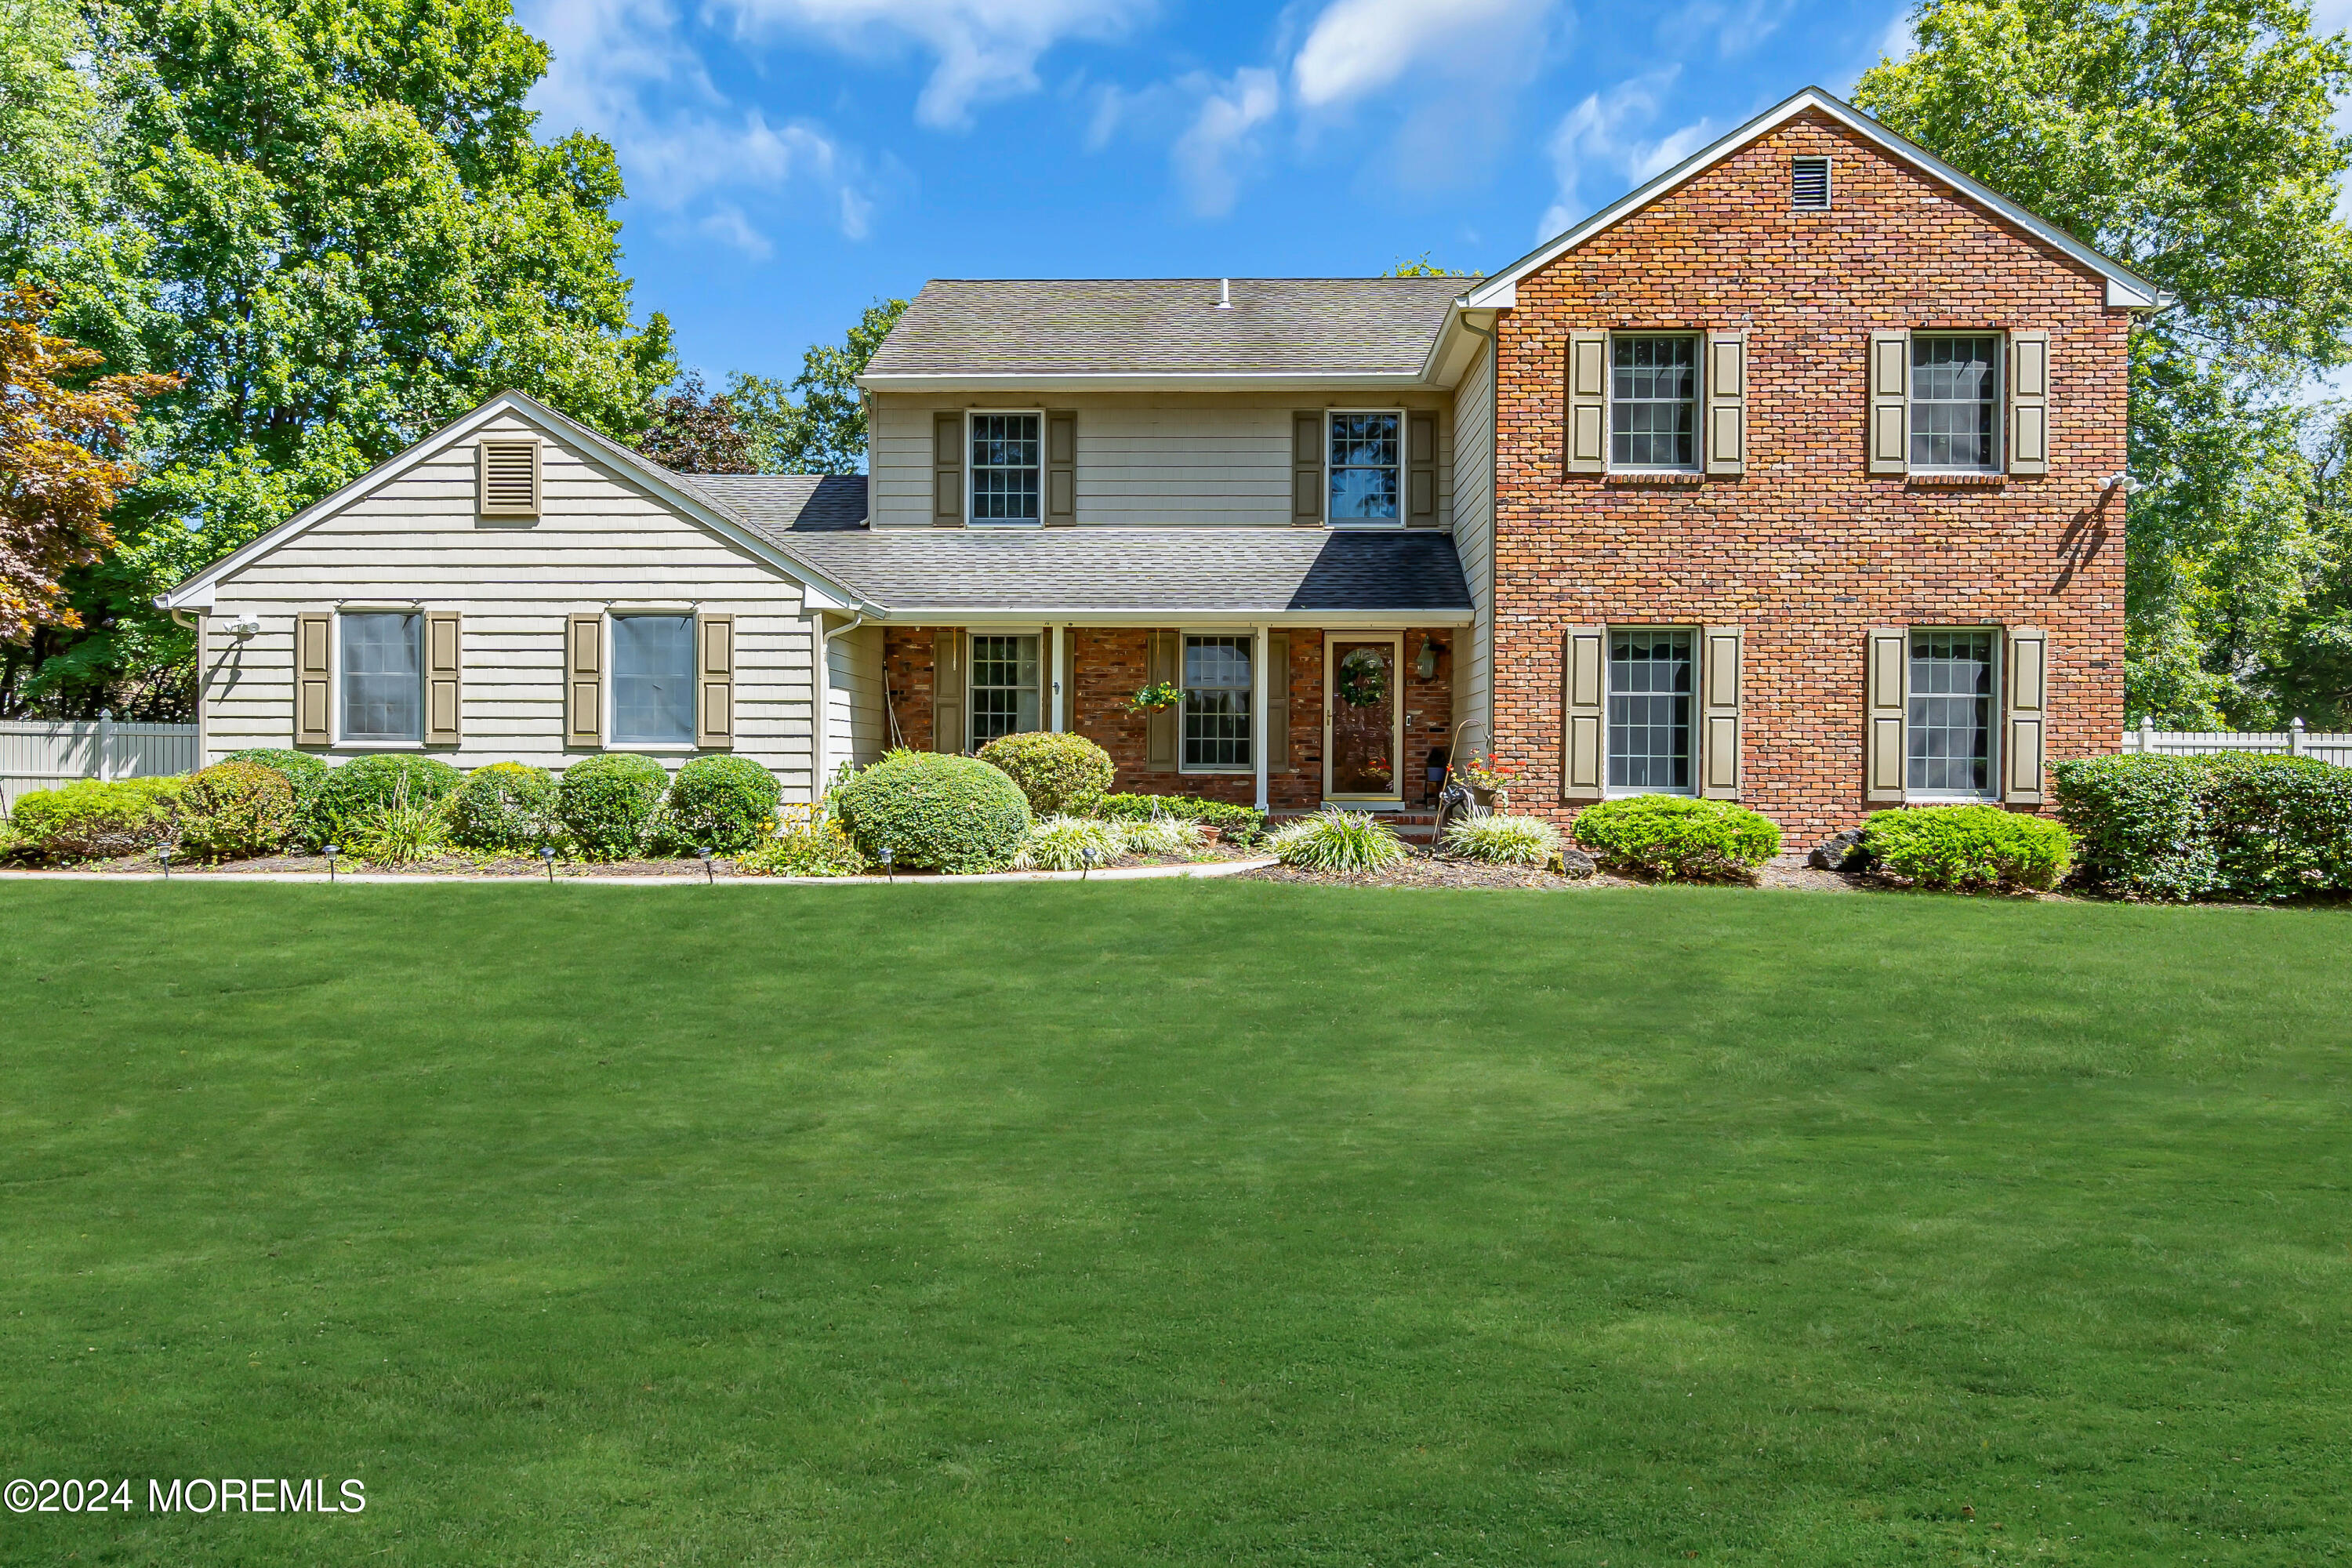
column 1792, row 477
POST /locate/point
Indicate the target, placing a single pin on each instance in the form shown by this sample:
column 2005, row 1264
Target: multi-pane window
column 653, row 680
column 1005, row 477
column 1364, row 484
column 383, row 677
column 1951, row 713
column 1217, row 703
column 1955, row 395
column 1651, row 675
column 1003, row 688
column 1653, row 403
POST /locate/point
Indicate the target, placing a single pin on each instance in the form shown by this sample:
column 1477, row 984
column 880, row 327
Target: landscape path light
column 705, row 853
column 165, row 857
column 1090, row 855
column 886, row 857
column 547, row 854
column 331, row 851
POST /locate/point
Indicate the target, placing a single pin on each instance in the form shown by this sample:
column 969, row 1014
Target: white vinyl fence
column 43, row 754
column 2294, row 741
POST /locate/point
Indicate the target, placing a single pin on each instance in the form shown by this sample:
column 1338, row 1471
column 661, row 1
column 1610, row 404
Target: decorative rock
column 1575, row 864
column 1839, row 852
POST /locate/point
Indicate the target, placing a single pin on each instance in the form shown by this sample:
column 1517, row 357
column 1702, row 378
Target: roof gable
column 2126, row 289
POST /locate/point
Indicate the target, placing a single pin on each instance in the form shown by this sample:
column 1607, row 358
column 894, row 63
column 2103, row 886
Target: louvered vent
column 1808, row 183
column 510, row 478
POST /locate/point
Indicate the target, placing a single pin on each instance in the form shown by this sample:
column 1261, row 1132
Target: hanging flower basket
column 1362, row 679
column 1156, row 698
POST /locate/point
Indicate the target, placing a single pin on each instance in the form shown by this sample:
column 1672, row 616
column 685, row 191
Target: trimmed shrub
column 2139, row 824
column 815, row 848
column 1162, row 837
column 307, row 773
column 1337, row 840
column 1677, row 839
column 609, row 804
column 1060, row 776
column 726, row 803
column 90, row 820
column 1501, row 840
column 232, row 810
column 1963, row 849
column 1235, row 824
column 1060, row 844
column 504, row 806
column 2279, row 826
column 354, row 793
column 936, row 811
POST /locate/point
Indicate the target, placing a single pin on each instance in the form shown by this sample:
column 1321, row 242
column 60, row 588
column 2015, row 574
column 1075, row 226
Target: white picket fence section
column 43, row 754
column 2294, row 741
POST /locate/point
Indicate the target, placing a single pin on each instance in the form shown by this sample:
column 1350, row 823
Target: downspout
column 203, row 729
column 824, row 715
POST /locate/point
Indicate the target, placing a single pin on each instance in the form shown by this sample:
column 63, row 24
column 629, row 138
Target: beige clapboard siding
column 1473, row 539
column 1145, row 459
column 856, row 731
column 600, row 539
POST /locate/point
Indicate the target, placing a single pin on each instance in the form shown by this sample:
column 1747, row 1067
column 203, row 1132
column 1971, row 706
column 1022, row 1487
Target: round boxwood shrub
column 232, row 809
column 1964, row 848
column 504, row 806
column 1060, row 776
column 608, row 804
column 1676, row 837
column 308, row 774
column 936, row 811
column 726, row 803
column 90, row 820
column 361, row 790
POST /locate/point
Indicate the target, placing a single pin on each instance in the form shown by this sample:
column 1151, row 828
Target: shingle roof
column 1225, row 571
column 1168, row 326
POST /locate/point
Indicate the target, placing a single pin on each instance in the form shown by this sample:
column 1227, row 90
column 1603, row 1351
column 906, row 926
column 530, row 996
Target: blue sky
column 789, row 161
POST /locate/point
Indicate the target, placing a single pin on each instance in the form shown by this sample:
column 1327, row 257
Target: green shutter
column 1721, row 680
column 947, row 470
column 2025, row 698
column 444, row 677
column 1306, row 468
column 584, row 681
column 1583, row 703
column 1889, row 436
column 1163, row 657
column 314, row 679
column 714, row 681
column 1886, row 670
column 948, row 724
column 1726, row 403
column 1277, row 677
column 2029, row 402
column 1420, row 470
column 1061, row 470
column 1585, row 391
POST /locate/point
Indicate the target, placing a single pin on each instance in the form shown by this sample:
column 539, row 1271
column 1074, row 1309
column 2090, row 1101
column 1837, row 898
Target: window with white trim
column 1217, row 698
column 1007, row 474
column 1955, row 403
column 1654, row 401
column 1950, row 721
column 1005, row 694
column 383, row 675
column 1366, row 479
column 653, row 680
column 1651, row 676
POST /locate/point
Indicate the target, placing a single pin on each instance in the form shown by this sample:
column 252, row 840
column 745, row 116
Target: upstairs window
column 1365, row 449
column 1217, row 703
column 1007, row 475
column 384, row 676
column 1955, row 403
column 1653, row 403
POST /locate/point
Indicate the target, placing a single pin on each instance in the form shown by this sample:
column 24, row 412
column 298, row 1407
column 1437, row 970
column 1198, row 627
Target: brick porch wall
column 1806, row 550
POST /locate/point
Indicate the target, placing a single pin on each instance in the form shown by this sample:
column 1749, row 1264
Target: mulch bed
column 1421, row 869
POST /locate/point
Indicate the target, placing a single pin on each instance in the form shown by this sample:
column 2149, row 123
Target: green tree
column 2193, row 140
column 823, row 429
column 693, row 431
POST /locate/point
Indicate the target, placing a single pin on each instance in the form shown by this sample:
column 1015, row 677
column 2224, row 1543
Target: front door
column 1361, row 715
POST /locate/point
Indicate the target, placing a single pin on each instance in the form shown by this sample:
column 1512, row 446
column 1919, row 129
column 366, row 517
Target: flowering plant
column 1479, row 770
column 1152, row 699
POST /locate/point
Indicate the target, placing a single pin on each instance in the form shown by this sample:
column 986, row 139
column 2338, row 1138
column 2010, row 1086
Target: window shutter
column 584, row 681
column 1890, row 402
column 714, row 681
column 314, row 679
column 443, row 677
column 1163, row 654
column 506, row 478
column 948, row 733
column 2029, row 402
column 1587, row 393
column 1583, row 702
column 1277, row 676
column 1306, row 468
column 1420, row 470
column 1061, row 470
column 1720, row 678
column 1887, row 670
column 947, row 470
column 2026, row 696
column 1726, row 403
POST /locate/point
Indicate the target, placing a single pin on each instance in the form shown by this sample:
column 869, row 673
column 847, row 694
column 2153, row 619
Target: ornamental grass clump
column 1674, row 837
column 234, row 810
column 724, row 804
column 935, row 812
column 1967, row 848
column 1345, row 842
column 1061, row 843
column 1162, row 838
column 503, row 807
column 1059, row 774
column 1500, row 840
column 402, row 830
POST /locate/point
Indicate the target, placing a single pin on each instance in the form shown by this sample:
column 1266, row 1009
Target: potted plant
column 1156, row 698
column 1489, row 781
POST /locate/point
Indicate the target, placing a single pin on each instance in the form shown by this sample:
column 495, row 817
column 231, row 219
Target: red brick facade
column 1806, row 550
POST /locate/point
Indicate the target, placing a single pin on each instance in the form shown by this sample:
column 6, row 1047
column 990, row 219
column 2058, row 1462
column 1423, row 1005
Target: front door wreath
column 1363, row 678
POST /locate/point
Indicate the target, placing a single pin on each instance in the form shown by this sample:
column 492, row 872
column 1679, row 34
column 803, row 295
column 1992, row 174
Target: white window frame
column 1698, row 465
column 343, row 742
column 1691, row 729
column 1991, row 793
column 971, row 666
column 971, row 471
column 1250, row 704
column 1404, row 467
column 685, row 748
column 1999, row 463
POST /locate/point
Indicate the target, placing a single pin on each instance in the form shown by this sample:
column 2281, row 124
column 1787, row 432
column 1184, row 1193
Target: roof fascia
column 1187, row 380
column 1047, row 615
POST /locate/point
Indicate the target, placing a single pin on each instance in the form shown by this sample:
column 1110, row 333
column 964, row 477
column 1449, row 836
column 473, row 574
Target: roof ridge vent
column 1224, row 293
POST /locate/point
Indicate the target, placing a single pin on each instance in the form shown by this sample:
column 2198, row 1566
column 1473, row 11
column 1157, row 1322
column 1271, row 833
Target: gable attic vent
column 1808, row 183
column 509, row 472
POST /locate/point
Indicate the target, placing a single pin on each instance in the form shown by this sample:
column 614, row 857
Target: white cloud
column 1222, row 134
column 726, row 223
column 1360, row 46
column 1735, row 26
column 1901, row 37
column 1605, row 135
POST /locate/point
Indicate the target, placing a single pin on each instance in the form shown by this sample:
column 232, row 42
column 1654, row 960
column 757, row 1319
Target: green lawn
column 1177, row 1223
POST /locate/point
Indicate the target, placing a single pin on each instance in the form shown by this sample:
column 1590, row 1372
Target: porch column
column 1257, row 710
column 1054, row 676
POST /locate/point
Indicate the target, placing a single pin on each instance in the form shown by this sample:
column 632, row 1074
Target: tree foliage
column 822, row 430
column 693, row 431
column 2193, row 140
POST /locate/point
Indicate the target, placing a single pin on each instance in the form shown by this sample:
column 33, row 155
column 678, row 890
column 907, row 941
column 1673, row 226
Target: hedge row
column 2261, row 827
